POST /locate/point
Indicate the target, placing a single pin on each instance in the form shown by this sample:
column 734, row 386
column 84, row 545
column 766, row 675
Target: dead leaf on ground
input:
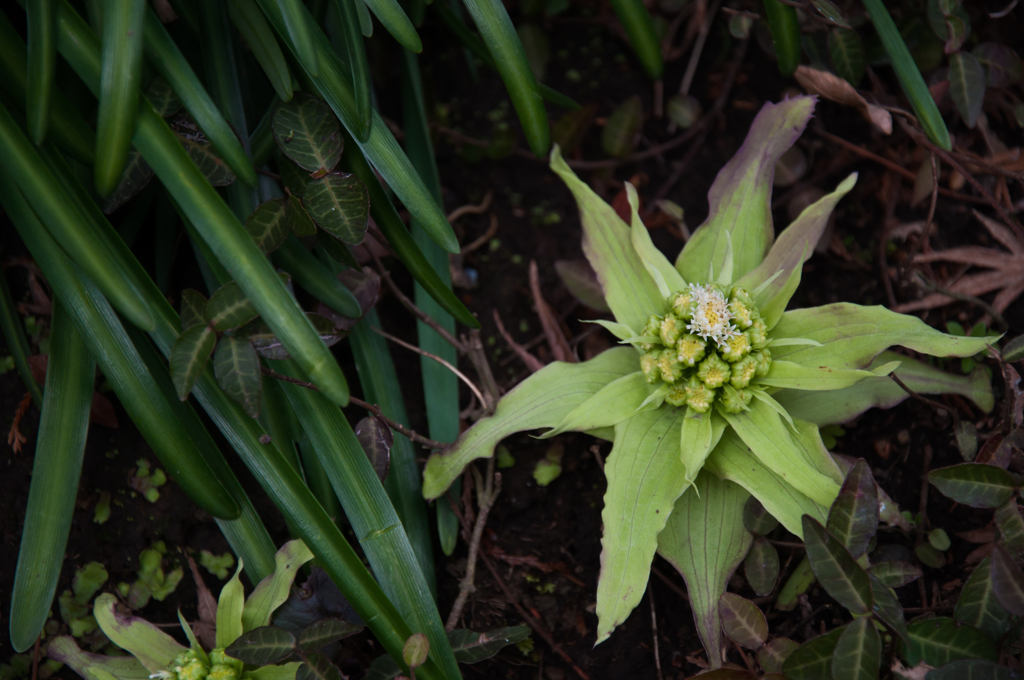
column 831, row 86
column 206, row 627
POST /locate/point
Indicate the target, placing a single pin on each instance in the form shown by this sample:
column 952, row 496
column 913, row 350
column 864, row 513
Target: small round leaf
column 415, row 651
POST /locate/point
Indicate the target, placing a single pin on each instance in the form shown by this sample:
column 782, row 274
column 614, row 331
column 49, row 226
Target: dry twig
column 486, row 493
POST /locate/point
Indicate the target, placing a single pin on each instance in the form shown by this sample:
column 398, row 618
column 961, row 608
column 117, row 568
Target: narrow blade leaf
column 854, row 515
column 975, row 484
column 858, row 652
column 836, row 569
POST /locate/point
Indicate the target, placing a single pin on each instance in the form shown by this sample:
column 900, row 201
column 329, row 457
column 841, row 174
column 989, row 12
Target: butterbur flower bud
column 222, row 671
column 713, row 371
column 671, row 329
column 764, row 362
column 690, row 349
column 741, row 313
column 677, row 394
column 757, row 333
column 219, row 656
column 682, row 305
column 735, row 348
column 733, row 400
column 740, row 294
column 743, row 371
column 699, row 396
column 652, row 329
column 670, row 366
column 649, row 366
column 192, row 670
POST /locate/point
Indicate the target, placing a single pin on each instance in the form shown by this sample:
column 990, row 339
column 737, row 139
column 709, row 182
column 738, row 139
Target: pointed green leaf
column 813, row 660
column 853, row 518
column 262, row 646
column 325, row 632
column 340, row 205
column 229, row 308
column 742, row 621
column 941, row 640
column 193, row 308
column 153, row 648
column 317, row 667
column 214, row 169
column 283, row 672
column 273, row 590
column 975, row 484
column 740, row 198
column 851, row 336
column 613, row 403
column 65, row 650
column 858, row 652
column 773, row 655
column 300, row 222
column 653, row 259
column 629, row 290
column 761, row 566
column 542, row 400
column 269, row 224
column 189, row 355
column 645, row 478
column 705, row 541
column 229, row 609
column 1007, row 581
column 193, row 642
column 134, row 178
column 259, row 37
column 887, row 609
column 699, row 435
column 238, row 372
column 836, row 569
column 581, row 280
column 470, row 647
column 847, row 53
column 756, row 519
column 978, row 604
column 307, row 131
column 967, row 85
column 895, row 573
column 790, row 375
column 1011, row 526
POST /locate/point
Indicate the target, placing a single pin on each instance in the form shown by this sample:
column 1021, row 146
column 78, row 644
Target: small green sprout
column 102, row 512
column 74, row 603
column 147, row 482
column 549, row 467
column 505, row 458
column 218, row 566
column 152, row 581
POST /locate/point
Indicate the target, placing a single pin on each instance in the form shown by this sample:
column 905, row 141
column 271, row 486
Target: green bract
column 710, row 379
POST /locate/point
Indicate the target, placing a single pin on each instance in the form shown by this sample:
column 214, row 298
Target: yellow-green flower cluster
column 188, row 666
column 710, row 344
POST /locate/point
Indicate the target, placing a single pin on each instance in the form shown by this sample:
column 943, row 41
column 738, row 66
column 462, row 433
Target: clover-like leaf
column 836, row 569
column 316, row 666
column 761, row 566
column 325, row 632
column 340, row 205
column 189, row 355
column 742, row 621
column 895, row 573
column 975, row 484
column 307, row 131
column 269, row 224
column 978, row 604
column 262, row 646
column 813, row 660
column 858, row 652
column 376, row 438
column 213, row 167
column 238, row 372
column 773, row 655
column 193, row 308
column 942, row 640
column 967, row 86
column 229, row 308
column 853, row 518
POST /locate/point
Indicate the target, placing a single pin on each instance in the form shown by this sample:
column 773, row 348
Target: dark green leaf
column 470, row 647
column 978, row 605
column 1003, row 67
column 685, row 110
column 134, row 179
column 742, row 621
column 537, row 48
column 269, row 224
column 229, row 308
column 1014, row 350
column 957, row 29
column 813, row 660
column 895, row 573
column 213, row 167
column 307, row 131
column 298, row 219
column 836, row 569
column 967, row 86
column 1011, row 526
column 267, row 345
column 238, row 372
column 756, row 519
column 340, row 205
column 847, row 53
column 858, row 652
column 162, row 97
column 853, row 518
column 761, row 566
column 317, row 667
column 294, row 178
column 326, row 329
column 193, row 308
column 364, row 286
column 376, row 438
column 941, row 640
column 189, row 355
column 930, row 556
column 972, row 669
column 325, row 632
column 1007, row 581
column 974, row 484
column 262, row 646
column 887, row 609
column 830, row 11
column 336, row 249
column 773, row 655
column 415, row 651
column 569, row 130
column 622, row 130
column 939, row 539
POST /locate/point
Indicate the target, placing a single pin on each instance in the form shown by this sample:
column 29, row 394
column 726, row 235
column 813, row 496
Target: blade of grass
column 381, row 148
column 785, row 27
column 365, row 21
column 360, row 69
column 396, row 22
column 120, row 81
column 639, row 27
column 371, row 514
column 500, row 37
column 212, row 218
column 261, row 141
column 440, row 385
column 251, row 23
column 63, row 427
column 381, row 386
column 42, row 64
column 65, row 126
column 17, row 343
column 385, row 216
column 297, row 22
column 313, row 276
column 120, row 362
column 908, row 74
column 172, row 65
column 318, row 481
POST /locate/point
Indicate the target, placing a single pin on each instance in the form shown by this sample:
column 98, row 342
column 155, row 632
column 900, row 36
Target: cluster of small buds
column 188, row 666
column 710, row 345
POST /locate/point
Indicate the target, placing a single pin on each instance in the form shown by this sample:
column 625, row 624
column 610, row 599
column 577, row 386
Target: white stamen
column 711, row 316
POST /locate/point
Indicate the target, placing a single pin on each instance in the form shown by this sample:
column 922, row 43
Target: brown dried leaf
column 831, row 86
column 206, row 627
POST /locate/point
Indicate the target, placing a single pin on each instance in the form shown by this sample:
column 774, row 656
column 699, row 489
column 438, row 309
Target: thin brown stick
column 35, row 658
column 492, row 229
column 698, row 48
column 398, row 427
column 654, row 634
column 472, row 209
column 532, row 362
column 915, row 395
column 923, row 241
column 487, row 493
column 413, row 348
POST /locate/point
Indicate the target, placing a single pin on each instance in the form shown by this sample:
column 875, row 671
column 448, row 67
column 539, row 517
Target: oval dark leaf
column 213, row 167
column 262, row 646
column 340, row 205
column 773, row 655
column 622, row 130
column 858, row 652
column 470, row 647
column 975, row 484
column 193, row 308
column 1007, row 581
column 269, row 224
column 761, row 566
column 1002, row 66
column 887, row 609
column 317, row 667
column 978, row 604
column 813, row 660
column 308, row 132
column 895, row 573
column 238, row 372
column 1011, row 526
column 756, row 519
column 942, row 640
column 376, row 438
column 229, row 308
column 189, row 355
column 325, row 632
column 836, row 569
column 742, row 621
column 853, row 518
column 134, row 179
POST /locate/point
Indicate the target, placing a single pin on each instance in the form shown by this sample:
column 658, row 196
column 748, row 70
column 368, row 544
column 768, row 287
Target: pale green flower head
column 718, row 391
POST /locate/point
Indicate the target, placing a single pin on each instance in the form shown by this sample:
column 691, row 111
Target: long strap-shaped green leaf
column 397, row 23
column 908, row 74
column 120, row 362
column 316, row 278
column 17, row 343
column 373, row 518
column 360, row 69
column 63, row 427
column 120, row 82
column 172, row 65
column 785, row 28
column 42, row 64
column 221, row 230
column 260, row 38
column 380, row 148
column 297, row 22
column 58, row 211
column 640, row 29
column 500, row 37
